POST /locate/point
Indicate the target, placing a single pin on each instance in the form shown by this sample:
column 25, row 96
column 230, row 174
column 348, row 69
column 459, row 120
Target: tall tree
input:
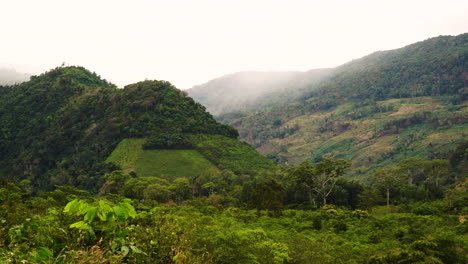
column 268, row 195
column 322, row 178
column 327, row 173
column 436, row 169
column 387, row 178
column 413, row 169
column 303, row 175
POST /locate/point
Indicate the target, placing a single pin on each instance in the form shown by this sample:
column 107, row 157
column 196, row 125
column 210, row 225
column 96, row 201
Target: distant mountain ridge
column 436, row 66
column 254, row 89
column 374, row 111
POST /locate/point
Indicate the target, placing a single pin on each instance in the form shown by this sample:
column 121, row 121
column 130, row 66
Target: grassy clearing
column 167, row 164
column 126, row 153
column 231, row 154
column 170, row 164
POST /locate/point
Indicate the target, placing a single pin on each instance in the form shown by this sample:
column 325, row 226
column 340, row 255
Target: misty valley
column 366, row 162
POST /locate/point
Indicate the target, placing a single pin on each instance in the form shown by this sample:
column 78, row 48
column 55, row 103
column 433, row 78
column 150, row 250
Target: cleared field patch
column 171, row 164
column 166, row 164
column 126, row 153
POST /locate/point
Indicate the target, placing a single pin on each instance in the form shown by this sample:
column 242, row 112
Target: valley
column 363, row 163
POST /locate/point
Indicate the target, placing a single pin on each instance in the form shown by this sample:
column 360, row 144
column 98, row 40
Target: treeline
column 275, row 218
column 433, row 67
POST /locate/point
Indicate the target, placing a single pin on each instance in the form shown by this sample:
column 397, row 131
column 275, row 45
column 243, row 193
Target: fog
column 191, row 42
column 9, row 76
column 248, row 90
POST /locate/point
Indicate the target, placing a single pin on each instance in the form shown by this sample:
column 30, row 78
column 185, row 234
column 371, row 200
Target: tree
column 436, row 169
column 268, row 195
column 114, row 182
column 303, row 174
column 209, row 186
column 412, row 168
column 369, row 198
column 327, row 173
column 386, row 177
column 157, row 192
column 180, row 189
column 322, row 178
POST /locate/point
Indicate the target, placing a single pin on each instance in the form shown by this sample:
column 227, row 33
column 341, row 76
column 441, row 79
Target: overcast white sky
column 191, row 42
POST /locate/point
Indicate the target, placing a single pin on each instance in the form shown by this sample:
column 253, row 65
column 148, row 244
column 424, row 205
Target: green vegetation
column 60, row 127
column 69, row 226
column 126, row 154
column 173, row 163
column 375, row 111
column 95, row 174
column 165, row 164
column 415, row 127
column 211, row 154
column 231, row 154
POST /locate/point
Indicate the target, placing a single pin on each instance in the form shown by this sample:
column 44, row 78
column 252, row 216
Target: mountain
column 10, row 76
column 374, row 111
column 60, row 127
column 254, row 90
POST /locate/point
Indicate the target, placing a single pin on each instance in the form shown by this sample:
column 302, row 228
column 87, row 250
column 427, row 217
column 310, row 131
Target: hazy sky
column 192, row 42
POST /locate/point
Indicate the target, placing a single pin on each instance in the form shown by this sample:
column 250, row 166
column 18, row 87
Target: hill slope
column 60, row 127
column 374, row 111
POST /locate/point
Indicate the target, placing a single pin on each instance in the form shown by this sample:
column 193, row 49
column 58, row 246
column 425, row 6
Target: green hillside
column 402, row 128
column 210, row 155
column 165, row 164
column 231, row 154
column 60, row 127
column 90, row 173
column 375, row 111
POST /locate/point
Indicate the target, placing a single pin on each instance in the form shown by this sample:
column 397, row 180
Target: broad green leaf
column 122, row 233
column 110, row 217
column 77, row 224
column 105, row 207
column 121, row 213
column 130, row 209
column 102, row 215
column 91, row 231
column 71, row 207
column 84, row 206
column 117, row 243
column 90, row 214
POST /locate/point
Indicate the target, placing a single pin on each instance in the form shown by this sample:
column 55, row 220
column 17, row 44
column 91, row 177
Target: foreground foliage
column 69, row 226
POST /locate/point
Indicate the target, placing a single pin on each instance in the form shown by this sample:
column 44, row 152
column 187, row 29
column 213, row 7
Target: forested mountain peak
column 433, row 67
column 59, row 127
column 75, row 74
